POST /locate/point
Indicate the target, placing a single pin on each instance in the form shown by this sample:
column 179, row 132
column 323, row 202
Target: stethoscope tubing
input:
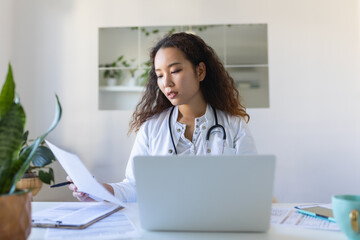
column 172, row 139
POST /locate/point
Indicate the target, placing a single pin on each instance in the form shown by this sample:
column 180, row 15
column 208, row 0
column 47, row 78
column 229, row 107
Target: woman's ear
column 201, row 71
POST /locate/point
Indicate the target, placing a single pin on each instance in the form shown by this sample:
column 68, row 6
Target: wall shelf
column 242, row 48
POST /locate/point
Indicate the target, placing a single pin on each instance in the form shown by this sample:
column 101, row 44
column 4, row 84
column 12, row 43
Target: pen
column 317, row 215
column 61, row 184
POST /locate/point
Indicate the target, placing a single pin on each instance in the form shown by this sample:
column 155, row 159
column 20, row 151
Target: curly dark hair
column 218, row 87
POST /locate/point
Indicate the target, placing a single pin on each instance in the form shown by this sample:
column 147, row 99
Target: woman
column 188, row 93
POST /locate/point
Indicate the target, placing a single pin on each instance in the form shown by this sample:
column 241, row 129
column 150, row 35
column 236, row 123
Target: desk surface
column 276, row 232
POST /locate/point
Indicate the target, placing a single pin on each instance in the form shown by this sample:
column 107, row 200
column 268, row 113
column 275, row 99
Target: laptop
column 205, row 193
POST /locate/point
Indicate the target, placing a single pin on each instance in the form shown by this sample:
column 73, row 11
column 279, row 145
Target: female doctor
column 190, row 106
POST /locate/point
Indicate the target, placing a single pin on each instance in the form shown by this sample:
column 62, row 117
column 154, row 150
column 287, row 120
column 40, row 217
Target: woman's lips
column 171, row 95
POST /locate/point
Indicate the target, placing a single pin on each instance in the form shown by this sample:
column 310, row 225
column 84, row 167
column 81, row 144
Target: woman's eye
column 159, row 76
column 176, row 71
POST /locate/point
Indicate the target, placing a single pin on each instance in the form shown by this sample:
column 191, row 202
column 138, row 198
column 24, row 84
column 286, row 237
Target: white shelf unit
column 250, row 71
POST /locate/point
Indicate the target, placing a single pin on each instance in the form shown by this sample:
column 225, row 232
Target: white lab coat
column 154, row 138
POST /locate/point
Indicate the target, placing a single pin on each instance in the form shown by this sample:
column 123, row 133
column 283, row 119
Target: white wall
column 312, row 125
column 6, row 26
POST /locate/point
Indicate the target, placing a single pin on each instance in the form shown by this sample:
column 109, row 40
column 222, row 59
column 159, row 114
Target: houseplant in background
column 133, row 79
column 38, row 172
column 15, row 205
column 113, row 71
column 145, row 74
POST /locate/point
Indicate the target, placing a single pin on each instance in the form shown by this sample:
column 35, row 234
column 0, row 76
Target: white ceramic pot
column 111, row 81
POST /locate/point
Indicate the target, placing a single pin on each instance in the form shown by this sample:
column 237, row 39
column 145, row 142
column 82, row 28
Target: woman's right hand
column 81, row 196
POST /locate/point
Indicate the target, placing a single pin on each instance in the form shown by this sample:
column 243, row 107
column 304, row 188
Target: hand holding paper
column 81, row 177
column 81, row 196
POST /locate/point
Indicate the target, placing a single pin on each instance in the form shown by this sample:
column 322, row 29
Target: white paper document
column 291, row 217
column 115, row 226
column 80, row 175
column 73, row 214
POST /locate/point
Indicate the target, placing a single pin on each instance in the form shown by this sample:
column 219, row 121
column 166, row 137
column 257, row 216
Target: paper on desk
column 73, row 213
column 81, row 176
column 115, row 226
column 291, row 217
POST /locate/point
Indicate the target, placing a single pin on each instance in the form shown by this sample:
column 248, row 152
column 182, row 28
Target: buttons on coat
column 170, row 151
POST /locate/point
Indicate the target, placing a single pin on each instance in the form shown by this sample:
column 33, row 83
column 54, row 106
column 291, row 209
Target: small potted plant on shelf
column 132, row 71
column 113, row 71
column 145, row 74
column 15, row 159
column 38, row 172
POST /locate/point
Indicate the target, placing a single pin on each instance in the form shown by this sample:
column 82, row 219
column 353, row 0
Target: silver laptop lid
column 205, row 193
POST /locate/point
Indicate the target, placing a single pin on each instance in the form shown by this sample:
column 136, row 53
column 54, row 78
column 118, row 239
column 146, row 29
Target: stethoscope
column 217, row 125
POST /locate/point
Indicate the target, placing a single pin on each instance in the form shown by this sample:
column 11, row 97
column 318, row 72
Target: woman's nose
column 167, row 81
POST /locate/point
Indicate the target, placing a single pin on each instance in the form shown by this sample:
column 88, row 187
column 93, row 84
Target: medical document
column 81, row 176
column 115, row 226
column 74, row 215
column 291, row 217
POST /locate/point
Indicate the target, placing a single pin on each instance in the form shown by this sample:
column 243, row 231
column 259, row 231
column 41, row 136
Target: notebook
column 205, row 193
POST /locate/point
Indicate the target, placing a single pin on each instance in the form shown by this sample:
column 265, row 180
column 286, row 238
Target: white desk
column 276, row 232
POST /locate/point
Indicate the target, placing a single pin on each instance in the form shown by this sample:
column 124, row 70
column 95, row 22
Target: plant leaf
column 42, row 157
column 56, row 119
column 25, row 137
column 46, row 177
column 7, row 94
column 11, row 137
column 22, row 163
column 106, row 73
column 120, row 58
column 26, row 156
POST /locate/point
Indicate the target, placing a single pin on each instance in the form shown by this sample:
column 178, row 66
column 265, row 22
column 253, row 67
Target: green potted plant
column 145, row 74
column 132, row 71
column 113, row 71
column 39, row 171
column 15, row 205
